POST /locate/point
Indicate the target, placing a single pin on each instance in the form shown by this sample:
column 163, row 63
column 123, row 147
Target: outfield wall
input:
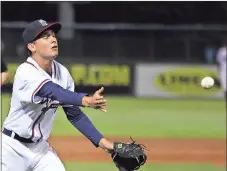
column 141, row 80
column 116, row 78
column 175, row 81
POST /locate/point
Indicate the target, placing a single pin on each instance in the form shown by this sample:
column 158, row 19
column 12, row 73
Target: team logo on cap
column 43, row 23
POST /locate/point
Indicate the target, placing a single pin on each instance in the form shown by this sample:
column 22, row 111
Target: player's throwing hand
column 96, row 101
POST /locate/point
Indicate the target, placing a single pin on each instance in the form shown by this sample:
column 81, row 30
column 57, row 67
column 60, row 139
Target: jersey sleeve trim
column 37, row 89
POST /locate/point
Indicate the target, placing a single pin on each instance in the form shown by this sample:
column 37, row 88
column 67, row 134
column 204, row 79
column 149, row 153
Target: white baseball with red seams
column 32, row 117
column 207, row 82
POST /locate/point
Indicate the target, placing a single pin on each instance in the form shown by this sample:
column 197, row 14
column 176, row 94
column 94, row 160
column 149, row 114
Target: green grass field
column 148, row 118
column 148, row 167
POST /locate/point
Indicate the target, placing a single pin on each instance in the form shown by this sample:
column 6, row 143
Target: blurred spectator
column 210, row 54
column 4, row 73
column 221, row 63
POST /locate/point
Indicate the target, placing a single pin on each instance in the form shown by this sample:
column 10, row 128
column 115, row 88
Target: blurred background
column 150, row 57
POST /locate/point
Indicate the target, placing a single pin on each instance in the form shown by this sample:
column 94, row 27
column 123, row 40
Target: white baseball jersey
column 221, row 59
column 31, row 116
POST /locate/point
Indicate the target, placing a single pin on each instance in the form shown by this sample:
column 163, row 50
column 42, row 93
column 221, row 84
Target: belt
column 16, row 136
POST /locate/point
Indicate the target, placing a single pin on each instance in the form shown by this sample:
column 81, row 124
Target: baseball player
column 4, row 73
column 41, row 84
column 221, row 62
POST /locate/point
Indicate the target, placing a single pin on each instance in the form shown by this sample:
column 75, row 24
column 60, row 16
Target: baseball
column 207, row 82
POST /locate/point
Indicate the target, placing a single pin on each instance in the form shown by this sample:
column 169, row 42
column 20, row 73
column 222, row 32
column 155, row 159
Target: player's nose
column 54, row 40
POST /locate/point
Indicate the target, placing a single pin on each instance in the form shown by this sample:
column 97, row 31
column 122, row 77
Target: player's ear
column 31, row 47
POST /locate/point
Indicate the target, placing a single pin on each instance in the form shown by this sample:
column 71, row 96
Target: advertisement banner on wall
column 175, row 81
column 116, row 79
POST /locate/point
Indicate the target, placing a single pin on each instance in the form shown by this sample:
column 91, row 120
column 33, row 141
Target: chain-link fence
column 127, row 43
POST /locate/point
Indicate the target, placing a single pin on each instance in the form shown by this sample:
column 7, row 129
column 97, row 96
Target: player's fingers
column 100, row 90
column 101, row 102
column 98, row 97
column 103, row 110
column 100, row 108
column 101, row 105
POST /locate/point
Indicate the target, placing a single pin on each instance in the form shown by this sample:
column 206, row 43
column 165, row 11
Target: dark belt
column 16, row 136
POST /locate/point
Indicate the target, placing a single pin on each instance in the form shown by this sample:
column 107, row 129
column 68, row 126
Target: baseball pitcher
column 41, row 85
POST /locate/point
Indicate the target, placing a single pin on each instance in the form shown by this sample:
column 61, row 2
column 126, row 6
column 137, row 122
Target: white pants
column 17, row 156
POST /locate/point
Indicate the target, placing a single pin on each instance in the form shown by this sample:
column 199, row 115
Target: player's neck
column 45, row 64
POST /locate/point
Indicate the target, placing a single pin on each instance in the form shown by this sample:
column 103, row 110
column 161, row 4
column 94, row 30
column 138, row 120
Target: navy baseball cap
column 35, row 28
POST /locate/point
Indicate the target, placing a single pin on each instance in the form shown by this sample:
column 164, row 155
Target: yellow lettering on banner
column 78, row 72
column 106, row 75
column 185, row 81
column 94, row 75
column 91, row 76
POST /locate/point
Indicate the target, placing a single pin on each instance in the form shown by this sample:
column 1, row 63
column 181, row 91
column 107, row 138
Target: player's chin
column 51, row 56
column 54, row 54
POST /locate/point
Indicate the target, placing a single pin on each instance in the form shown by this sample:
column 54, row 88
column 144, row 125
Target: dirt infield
column 161, row 150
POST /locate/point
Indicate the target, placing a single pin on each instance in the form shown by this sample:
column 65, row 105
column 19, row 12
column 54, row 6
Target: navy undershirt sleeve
column 74, row 114
column 64, row 96
column 83, row 124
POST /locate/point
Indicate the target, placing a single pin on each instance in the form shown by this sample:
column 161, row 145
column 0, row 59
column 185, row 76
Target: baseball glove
column 128, row 157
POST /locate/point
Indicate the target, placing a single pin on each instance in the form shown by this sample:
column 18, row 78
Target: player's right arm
column 66, row 97
column 30, row 86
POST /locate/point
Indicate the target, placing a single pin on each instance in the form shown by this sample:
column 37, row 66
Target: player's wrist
column 86, row 100
column 106, row 144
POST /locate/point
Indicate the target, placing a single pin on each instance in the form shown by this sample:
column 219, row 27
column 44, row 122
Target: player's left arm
column 126, row 156
column 80, row 121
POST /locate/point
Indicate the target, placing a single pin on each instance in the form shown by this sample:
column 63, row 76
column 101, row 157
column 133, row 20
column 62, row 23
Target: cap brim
column 56, row 27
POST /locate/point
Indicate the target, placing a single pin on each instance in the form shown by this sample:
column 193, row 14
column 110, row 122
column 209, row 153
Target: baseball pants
column 28, row 157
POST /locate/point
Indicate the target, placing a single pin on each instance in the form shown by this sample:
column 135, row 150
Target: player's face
column 46, row 45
